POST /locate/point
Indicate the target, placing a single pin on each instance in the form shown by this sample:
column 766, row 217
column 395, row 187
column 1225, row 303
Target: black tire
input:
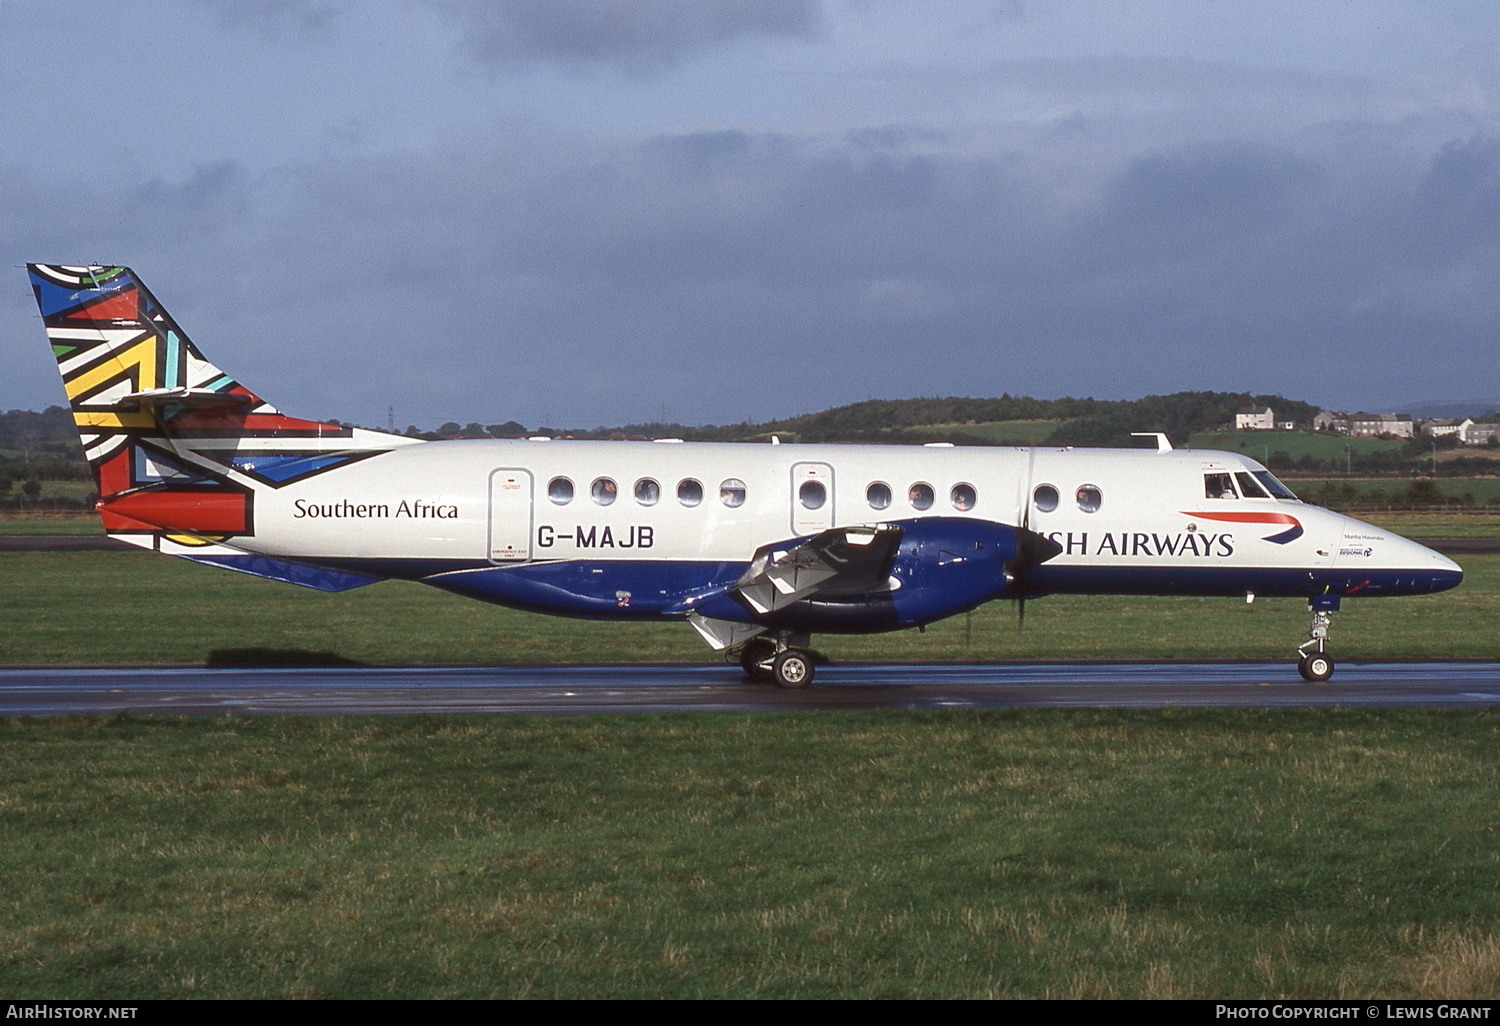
column 1315, row 667
column 793, row 669
column 755, row 652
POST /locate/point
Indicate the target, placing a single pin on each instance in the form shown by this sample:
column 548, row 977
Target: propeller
column 1024, row 532
column 1032, row 549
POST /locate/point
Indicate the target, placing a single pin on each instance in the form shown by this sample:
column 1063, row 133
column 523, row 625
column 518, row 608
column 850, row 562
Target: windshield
column 1274, row 486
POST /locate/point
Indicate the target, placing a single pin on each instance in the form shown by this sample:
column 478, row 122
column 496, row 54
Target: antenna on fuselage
column 1163, row 444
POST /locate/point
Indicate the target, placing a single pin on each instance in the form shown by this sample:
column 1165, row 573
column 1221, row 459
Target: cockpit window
column 1274, row 486
column 1218, row 486
column 1249, row 487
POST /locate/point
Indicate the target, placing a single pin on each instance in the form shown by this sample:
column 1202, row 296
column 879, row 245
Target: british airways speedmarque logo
column 1237, row 517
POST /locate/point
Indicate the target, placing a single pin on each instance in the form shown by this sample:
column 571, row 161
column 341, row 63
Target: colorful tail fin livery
column 163, row 428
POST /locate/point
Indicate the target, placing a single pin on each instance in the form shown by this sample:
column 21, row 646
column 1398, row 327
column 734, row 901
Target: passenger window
column 812, row 494
column 878, row 495
column 1089, row 498
column 1249, row 487
column 920, row 495
column 1218, row 486
column 689, row 492
column 732, row 492
column 647, row 492
column 1045, row 497
column 604, row 491
column 560, row 490
column 963, row 497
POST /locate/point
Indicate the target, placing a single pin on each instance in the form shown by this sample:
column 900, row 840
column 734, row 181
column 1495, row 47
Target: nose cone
column 1445, row 573
column 1397, row 565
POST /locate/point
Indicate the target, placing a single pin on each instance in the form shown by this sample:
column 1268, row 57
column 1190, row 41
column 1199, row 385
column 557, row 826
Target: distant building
column 1254, row 418
column 1443, row 427
column 1479, row 434
column 1336, row 421
column 1375, row 425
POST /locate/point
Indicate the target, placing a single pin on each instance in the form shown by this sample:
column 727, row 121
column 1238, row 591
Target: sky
column 598, row 212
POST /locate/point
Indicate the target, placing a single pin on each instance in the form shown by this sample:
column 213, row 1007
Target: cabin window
column 1249, row 487
column 1045, row 497
column 963, row 497
column 732, row 492
column 689, row 492
column 878, row 495
column 647, row 492
column 604, row 490
column 560, row 490
column 920, row 495
column 812, row 494
column 1218, row 486
column 1089, row 498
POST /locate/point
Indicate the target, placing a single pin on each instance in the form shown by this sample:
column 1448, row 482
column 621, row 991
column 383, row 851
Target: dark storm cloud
column 1458, row 206
column 1190, row 205
column 737, row 274
column 640, row 35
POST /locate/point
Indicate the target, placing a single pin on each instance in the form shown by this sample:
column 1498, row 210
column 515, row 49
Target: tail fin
column 173, row 441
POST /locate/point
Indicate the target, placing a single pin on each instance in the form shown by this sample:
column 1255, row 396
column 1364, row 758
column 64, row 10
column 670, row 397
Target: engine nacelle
column 942, row 566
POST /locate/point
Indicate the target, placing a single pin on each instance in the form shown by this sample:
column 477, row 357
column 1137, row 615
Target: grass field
column 1061, row 853
column 1371, row 492
column 127, row 607
column 1296, row 444
column 1035, row 853
column 82, row 524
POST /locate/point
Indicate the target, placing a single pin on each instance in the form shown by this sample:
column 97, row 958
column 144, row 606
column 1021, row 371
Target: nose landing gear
column 1315, row 664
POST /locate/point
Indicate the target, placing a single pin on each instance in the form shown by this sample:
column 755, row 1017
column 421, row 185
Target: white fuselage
column 501, row 502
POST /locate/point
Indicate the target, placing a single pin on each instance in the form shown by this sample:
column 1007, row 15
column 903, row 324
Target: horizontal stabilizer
column 315, row 577
column 187, row 398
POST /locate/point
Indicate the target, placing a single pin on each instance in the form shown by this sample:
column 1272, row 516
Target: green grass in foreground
column 1075, row 853
column 127, row 607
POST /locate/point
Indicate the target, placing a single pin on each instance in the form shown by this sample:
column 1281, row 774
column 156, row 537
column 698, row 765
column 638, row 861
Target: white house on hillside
column 1255, row 418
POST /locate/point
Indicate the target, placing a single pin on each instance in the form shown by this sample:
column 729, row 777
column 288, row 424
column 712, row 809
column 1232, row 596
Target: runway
column 577, row 690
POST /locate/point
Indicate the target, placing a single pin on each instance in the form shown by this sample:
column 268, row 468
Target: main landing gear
column 1315, row 664
column 781, row 657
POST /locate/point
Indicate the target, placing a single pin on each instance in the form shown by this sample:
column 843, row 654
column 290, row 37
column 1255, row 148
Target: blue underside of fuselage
column 610, row 590
column 657, row 590
column 1270, row 582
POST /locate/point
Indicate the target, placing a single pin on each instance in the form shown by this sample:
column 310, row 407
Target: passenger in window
column 1218, row 486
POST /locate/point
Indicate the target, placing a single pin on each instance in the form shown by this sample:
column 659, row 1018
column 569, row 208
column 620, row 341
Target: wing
column 840, row 561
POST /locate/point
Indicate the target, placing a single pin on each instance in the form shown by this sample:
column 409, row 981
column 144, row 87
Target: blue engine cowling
column 942, row 566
